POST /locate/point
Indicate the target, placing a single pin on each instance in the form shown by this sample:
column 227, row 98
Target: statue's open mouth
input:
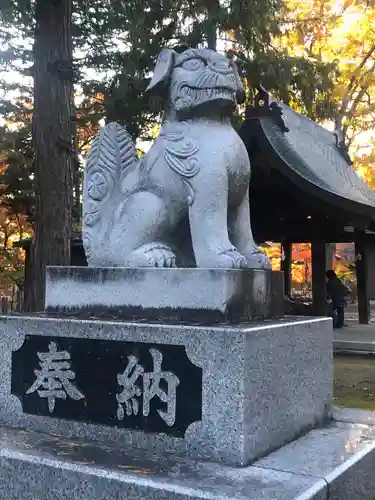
column 199, row 94
column 221, row 93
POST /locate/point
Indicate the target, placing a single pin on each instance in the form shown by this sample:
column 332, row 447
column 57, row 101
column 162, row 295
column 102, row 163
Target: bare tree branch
column 354, row 80
column 312, row 19
column 357, row 100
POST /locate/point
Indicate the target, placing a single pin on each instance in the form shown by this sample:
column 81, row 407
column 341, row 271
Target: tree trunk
column 211, row 36
column 212, row 24
column 52, row 138
column 77, row 183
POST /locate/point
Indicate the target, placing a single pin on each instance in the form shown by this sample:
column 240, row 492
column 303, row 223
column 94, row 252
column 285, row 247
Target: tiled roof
column 312, row 152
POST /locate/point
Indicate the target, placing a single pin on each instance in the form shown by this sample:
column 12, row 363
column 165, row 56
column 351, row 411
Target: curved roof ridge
column 313, row 153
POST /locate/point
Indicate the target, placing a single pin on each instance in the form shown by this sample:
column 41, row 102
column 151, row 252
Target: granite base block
column 261, row 385
column 332, row 463
column 35, row 466
column 188, row 295
column 343, row 455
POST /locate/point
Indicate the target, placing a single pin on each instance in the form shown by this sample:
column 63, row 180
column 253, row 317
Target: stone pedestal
column 165, row 408
column 190, row 295
column 223, row 393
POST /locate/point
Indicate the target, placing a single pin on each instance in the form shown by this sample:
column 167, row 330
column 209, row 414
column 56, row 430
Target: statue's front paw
column 256, row 259
column 154, row 255
column 230, row 258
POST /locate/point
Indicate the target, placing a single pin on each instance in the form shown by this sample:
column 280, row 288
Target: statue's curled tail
column 111, row 159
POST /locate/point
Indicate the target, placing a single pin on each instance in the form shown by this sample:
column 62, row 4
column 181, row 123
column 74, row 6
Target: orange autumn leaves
column 343, row 32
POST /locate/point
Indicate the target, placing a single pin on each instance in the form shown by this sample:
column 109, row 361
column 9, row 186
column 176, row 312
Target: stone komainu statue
column 197, row 171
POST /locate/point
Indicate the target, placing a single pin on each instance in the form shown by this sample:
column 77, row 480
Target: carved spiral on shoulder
column 179, row 153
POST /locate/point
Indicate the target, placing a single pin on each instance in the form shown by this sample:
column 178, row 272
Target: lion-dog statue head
column 195, row 78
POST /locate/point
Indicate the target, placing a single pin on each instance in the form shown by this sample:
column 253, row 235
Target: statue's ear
column 163, row 69
column 241, row 96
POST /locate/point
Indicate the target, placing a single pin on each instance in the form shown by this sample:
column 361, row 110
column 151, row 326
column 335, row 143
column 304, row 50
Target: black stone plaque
column 148, row 387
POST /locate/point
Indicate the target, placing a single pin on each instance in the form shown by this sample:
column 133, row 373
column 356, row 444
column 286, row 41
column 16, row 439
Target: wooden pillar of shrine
column 362, row 277
column 319, row 290
column 286, row 266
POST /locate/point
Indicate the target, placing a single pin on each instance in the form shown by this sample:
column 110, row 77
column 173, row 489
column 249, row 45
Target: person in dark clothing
column 337, row 292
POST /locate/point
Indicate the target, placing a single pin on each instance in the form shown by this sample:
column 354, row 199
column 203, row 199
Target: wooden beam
column 319, row 291
column 364, row 311
column 286, row 265
column 330, row 255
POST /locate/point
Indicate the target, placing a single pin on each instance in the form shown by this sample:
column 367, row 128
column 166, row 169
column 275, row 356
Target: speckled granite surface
column 332, row 463
column 263, row 384
column 342, row 454
column 36, row 466
column 166, row 295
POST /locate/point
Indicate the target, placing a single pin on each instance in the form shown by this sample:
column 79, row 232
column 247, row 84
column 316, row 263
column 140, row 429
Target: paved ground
column 355, row 331
column 356, row 337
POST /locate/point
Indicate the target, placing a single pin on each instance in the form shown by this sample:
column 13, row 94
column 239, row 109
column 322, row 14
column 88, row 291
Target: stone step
column 37, row 466
column 335, row 462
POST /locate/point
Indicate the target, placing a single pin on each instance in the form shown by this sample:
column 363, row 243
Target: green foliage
column 11, row 267
column 116, row 44
column 298, row 82
column 16, row 188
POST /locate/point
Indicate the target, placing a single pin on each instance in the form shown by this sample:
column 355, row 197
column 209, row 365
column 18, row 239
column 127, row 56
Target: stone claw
column 256, row 259
column 229, row 258
column 153, row 255
column 170, row 262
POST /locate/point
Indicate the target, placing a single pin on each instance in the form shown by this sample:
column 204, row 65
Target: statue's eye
column 193, row 64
